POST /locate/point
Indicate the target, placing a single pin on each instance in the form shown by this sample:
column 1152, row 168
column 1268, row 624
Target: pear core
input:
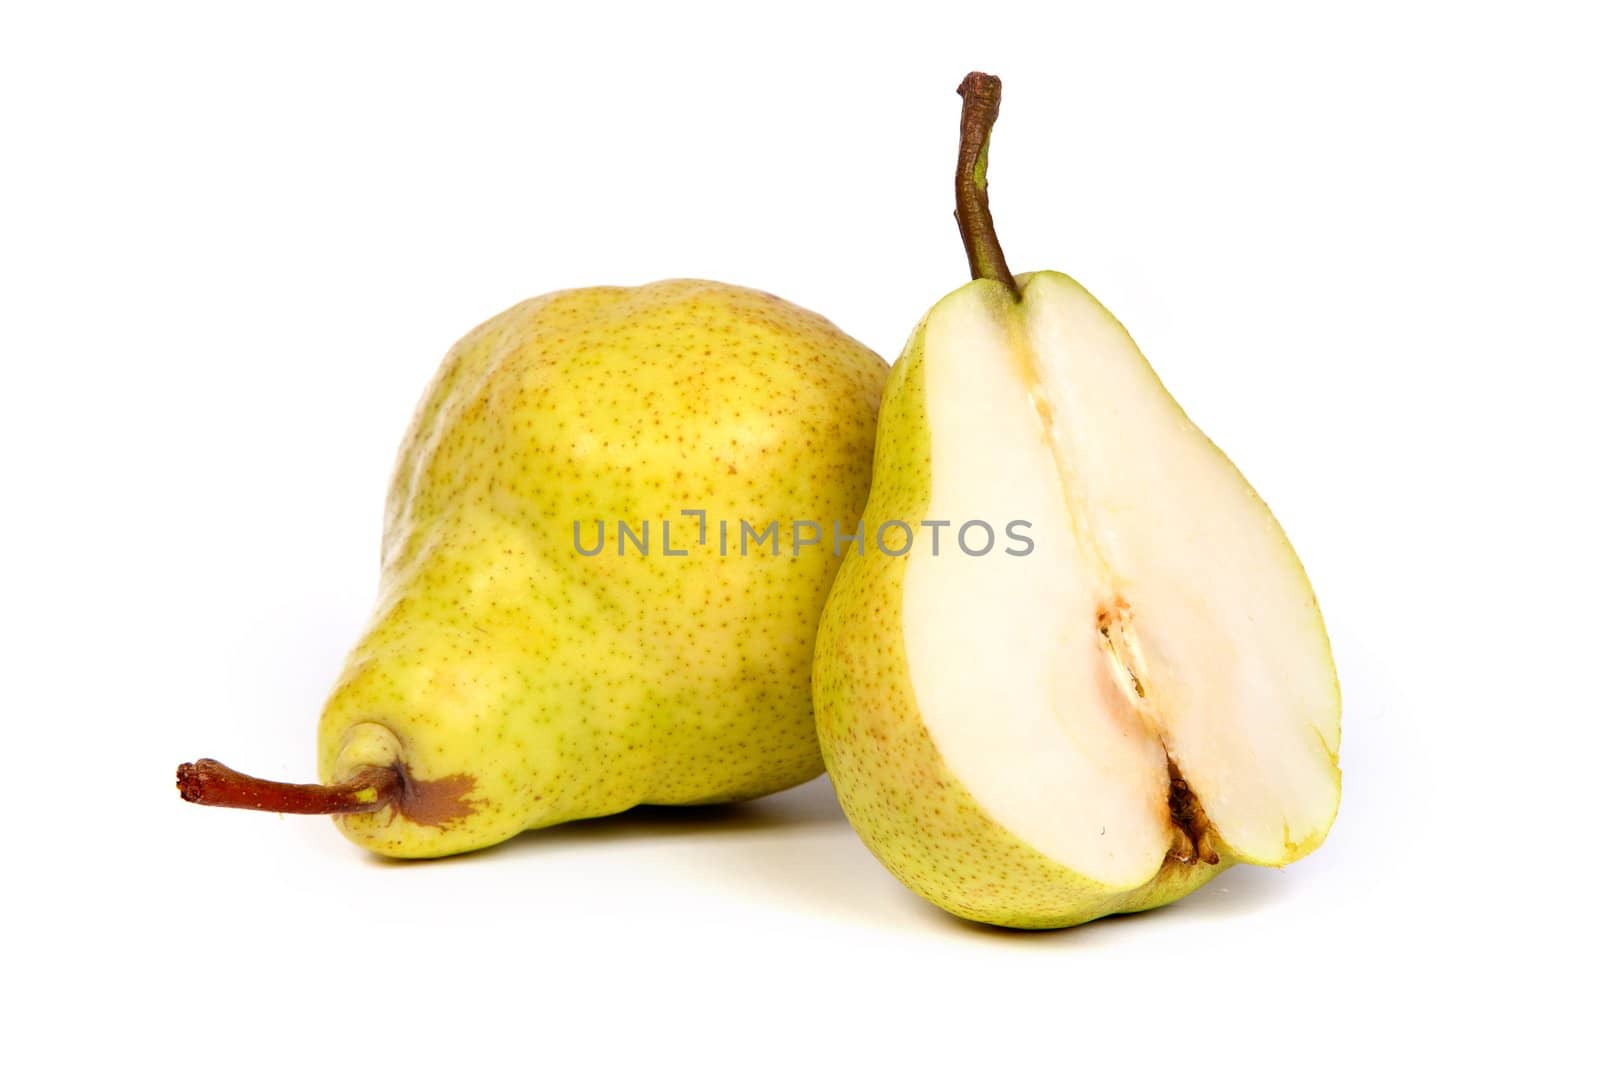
column 1152, row 684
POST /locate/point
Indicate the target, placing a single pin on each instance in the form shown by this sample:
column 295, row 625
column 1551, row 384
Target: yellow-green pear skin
column 873, row 697
column 520, row 681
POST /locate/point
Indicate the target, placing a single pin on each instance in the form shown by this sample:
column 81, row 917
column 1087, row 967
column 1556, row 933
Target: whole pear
column 575, row 613
column 1082, row 670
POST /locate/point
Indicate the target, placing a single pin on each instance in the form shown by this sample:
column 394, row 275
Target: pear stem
column 209, row 782
column 980, row 106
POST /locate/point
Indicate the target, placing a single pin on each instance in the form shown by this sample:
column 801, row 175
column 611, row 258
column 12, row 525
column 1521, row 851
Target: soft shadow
column 811, row 805
column 1236, row 891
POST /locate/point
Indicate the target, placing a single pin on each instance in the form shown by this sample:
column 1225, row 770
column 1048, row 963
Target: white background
column 1360, row 246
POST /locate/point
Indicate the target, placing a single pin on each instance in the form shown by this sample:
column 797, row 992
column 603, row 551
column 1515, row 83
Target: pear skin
column 513, row 676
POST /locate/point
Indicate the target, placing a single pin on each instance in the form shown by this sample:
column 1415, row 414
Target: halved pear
column 1124, row 690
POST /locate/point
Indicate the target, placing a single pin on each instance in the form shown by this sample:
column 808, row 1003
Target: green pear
column 574, row 617
column 1124, row 685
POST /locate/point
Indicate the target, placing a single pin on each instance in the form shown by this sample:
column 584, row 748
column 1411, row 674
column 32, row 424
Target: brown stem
column 980, row 106
column 209, row 782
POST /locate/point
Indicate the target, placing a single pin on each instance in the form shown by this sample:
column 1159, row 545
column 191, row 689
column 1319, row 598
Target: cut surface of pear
column 1161, row 626
column 1099, row 719
column 1098, row 715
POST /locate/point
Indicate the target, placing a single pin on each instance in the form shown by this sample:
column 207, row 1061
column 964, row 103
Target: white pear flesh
column 1161, row 624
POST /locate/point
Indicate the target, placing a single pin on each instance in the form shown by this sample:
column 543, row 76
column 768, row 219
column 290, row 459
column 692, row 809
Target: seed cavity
column 1115, row 623
column 1192, row 836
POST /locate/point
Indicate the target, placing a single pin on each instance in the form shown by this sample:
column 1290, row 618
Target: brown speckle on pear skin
column 439, row 802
